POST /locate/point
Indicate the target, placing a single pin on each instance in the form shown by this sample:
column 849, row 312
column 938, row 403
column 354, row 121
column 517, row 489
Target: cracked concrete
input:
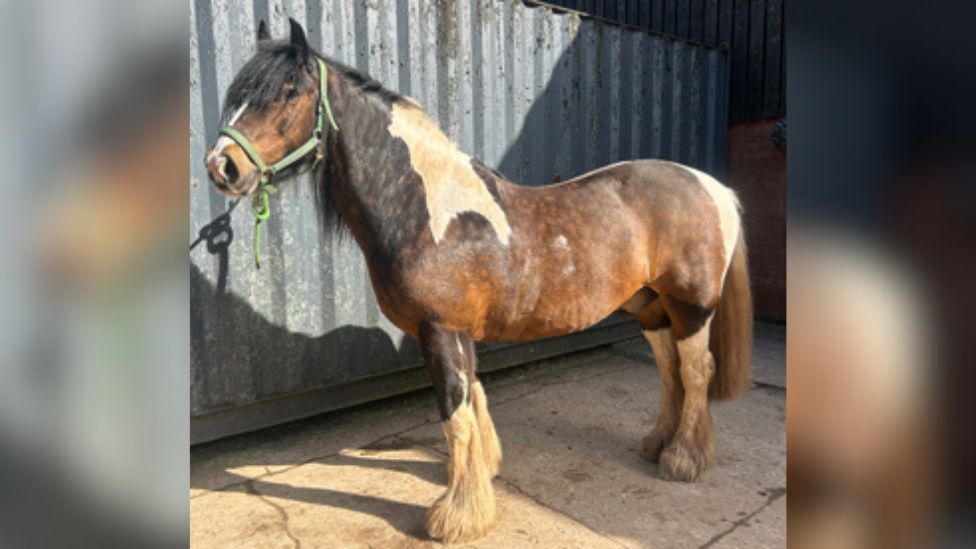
column 571, row 431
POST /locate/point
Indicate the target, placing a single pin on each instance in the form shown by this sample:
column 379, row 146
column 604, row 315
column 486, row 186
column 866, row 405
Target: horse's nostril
column 229, row 169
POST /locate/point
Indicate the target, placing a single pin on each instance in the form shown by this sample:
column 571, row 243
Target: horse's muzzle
column 225, row 172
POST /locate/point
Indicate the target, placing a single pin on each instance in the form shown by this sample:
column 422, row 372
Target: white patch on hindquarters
column 561, row 243
column 728, row 209
column 562, row 248
column 450, row 182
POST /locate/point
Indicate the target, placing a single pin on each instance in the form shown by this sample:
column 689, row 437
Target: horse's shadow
column 406, row 518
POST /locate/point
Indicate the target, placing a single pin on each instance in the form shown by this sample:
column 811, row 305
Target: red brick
column 757, row 171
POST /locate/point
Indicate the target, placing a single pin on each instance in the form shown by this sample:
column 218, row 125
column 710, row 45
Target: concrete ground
column 572, row 477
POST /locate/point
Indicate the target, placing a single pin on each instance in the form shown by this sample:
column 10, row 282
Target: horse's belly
column 559, row 310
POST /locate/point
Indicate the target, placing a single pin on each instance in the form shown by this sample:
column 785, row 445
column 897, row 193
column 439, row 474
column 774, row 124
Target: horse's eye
column 291, row 94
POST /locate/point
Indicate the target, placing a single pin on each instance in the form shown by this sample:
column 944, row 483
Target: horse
column 457, row 254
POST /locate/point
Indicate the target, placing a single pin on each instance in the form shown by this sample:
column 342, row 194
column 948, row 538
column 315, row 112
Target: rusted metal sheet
column 538, row 94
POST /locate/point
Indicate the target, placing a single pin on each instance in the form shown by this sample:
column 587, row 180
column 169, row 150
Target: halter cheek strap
column 261, row 207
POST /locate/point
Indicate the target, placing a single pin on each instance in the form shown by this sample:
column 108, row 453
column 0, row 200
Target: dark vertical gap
column 210, row 107
column 782, row 63
column 740, row 47
column 273, row 261
column 511, row 159
column 627, row 69
column 682, row 17
column 261, row 13
column 650, row 80
column 477, row 79
column 683, row 106
column 696, row 20
column 361, row 30
column 702, row 72
column 669, row 16
column 535, row 169
column 210, row 103
column 552, row 98
column 443, row 28
column 725, row 16
column 603, row 75
column 710, row 23
column 722, row 114
column 757, row 57
column 313, row 24
column 579, row 73
column 710, row 102
column 313, row 351
column 667, row 85
column 657, row 15
column 774, row 58
column 403, row 45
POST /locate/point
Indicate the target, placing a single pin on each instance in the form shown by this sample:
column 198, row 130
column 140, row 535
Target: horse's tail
column 730, row 340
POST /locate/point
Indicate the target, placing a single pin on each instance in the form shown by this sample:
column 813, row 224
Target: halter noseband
column 261, row 208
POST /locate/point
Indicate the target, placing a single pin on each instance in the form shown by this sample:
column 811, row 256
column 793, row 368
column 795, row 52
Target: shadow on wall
column 278, row 361
column 614, row 95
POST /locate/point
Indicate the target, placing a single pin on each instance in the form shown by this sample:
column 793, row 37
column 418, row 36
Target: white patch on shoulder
column 728, row 209
column 451, row 184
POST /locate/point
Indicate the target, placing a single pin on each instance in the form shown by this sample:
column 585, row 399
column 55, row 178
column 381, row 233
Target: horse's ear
column 263, row 32
column 298, row 37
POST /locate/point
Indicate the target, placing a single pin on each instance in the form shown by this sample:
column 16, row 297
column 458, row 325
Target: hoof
column 653, row 444
column 454, row 519
column 679, row 462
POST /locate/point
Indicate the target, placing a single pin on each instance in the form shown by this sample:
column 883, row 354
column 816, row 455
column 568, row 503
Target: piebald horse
column 457, row 254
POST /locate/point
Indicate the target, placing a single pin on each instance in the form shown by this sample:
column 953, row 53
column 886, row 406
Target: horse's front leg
column 466, row 511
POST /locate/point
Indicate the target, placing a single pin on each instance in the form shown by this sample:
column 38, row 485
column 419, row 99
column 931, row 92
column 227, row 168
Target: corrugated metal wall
column 535, row 94
column 753, row 29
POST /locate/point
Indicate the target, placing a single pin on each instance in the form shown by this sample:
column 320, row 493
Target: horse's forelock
column 260, row 79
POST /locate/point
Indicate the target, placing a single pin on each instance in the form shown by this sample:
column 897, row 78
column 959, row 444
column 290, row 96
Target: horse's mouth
column 251, row 185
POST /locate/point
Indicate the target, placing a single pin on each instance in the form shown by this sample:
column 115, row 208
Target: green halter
column 260, row 207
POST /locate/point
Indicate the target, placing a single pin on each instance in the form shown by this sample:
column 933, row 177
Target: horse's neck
column 374, row 192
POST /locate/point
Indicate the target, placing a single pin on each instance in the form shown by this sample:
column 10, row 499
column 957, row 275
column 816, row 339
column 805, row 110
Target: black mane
column 278, row 62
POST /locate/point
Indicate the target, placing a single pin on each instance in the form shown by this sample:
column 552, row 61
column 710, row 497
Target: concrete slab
column 571, row 430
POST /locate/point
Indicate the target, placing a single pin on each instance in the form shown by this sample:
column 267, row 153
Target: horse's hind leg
column 656, row 328
column 692, row 450
column 466, row 511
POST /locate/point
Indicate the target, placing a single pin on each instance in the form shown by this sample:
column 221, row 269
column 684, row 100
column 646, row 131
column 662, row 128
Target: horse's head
column 272, row 114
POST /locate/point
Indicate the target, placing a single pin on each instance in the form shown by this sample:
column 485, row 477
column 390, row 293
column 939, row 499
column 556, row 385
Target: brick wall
column 757, row 171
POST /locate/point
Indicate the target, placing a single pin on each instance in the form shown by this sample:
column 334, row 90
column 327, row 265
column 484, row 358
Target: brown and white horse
column 458, row 255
